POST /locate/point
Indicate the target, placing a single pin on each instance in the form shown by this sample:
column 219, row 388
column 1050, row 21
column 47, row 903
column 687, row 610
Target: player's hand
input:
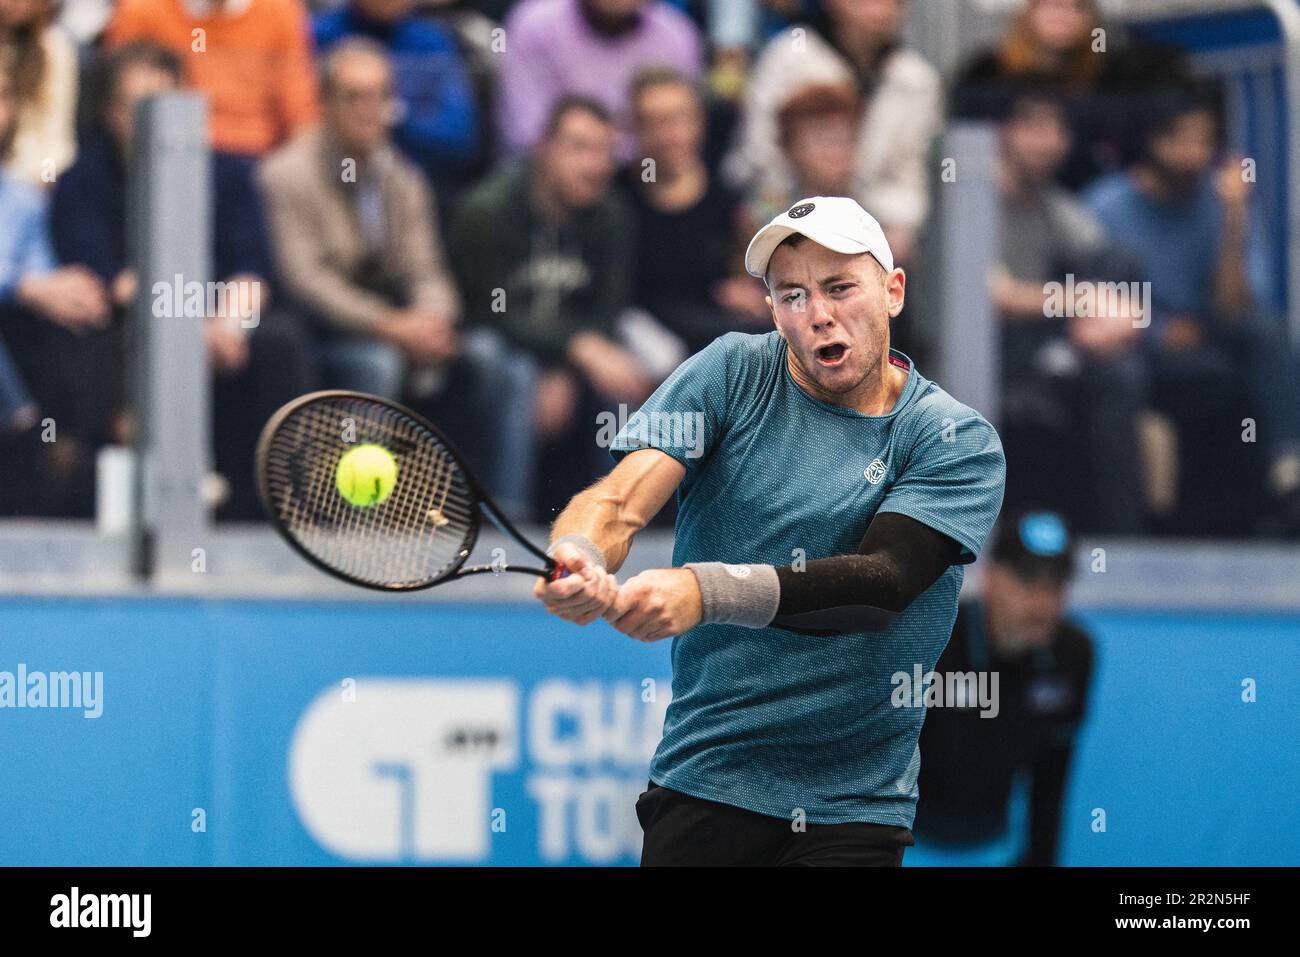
column 656, row 604
column 584, row 595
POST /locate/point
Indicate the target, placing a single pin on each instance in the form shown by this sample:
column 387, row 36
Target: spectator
column 687, row 273
column 17, row 408
column 41, row 62
column 855, row 42
column 1214, row 351
column 817, row 130
column 255, row 368
column 1063, row 42
column 544, row 256
column 973, row 750
column 54, row 341
column 1074, row 385
column 251, row 57
column 356, row 236
column 587, row 47
column 438, row 129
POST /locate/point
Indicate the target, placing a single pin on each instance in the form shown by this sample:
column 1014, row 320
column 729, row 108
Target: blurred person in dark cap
column 1036, row 665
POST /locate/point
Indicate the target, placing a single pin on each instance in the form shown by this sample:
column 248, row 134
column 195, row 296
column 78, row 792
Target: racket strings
column 413, row 537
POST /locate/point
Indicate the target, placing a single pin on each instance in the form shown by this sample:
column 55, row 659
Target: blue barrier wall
column 240, row 732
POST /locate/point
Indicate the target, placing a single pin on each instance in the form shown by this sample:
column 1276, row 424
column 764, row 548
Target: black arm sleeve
column 898, row 559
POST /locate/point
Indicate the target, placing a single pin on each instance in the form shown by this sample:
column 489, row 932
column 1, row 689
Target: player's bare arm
column 593, row 534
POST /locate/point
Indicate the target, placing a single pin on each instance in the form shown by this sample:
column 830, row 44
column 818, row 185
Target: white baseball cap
column 836, row 222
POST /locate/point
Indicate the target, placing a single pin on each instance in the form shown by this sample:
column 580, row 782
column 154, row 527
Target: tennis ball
column 366, row 475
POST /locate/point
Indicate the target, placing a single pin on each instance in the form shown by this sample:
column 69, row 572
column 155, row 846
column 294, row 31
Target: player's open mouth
column 833, row 354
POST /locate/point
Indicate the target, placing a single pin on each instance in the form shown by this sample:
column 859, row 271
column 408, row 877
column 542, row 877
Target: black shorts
column 681, row 830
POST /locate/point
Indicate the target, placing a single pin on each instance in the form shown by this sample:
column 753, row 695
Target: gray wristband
column 746, row 595
column 584, row 545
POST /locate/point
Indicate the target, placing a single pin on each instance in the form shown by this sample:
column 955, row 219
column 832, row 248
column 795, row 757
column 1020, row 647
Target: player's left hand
column 657, row 604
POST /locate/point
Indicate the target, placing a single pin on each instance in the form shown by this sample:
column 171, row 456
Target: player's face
column 833, row 310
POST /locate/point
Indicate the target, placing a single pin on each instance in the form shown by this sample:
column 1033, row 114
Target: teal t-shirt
column 765, row 719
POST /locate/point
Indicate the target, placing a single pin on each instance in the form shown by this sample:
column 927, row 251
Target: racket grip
column 558, row 572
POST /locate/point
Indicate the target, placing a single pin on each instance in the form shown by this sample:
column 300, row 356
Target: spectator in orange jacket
column 251, row 57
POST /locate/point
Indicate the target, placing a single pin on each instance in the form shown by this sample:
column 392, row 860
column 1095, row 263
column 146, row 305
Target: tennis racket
column 423, row 530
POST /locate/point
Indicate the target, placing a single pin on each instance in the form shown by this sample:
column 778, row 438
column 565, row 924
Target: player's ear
column 895, row 290
column 771, row 307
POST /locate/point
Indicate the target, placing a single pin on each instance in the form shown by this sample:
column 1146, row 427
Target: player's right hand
column 584, row 594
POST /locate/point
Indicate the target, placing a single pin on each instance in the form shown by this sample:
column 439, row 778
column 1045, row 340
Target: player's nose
column 819, row 312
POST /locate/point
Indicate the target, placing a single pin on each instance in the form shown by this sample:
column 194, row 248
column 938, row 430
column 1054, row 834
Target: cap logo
column 1044, row 534
column 802, row 209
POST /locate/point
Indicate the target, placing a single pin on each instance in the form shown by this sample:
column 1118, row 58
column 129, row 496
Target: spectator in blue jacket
column 257, row 355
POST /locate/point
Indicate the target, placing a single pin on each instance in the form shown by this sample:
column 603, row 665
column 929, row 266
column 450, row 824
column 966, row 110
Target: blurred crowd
column 514, row 216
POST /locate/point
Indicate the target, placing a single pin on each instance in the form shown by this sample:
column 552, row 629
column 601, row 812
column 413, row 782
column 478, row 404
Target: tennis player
column 825, row 512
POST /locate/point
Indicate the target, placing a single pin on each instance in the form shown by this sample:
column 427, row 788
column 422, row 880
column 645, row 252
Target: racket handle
column 558, row 572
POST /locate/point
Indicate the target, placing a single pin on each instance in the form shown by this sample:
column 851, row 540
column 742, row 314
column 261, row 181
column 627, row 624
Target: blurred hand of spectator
column 745, row 296
column 1013, row 297
column 1181, row 333
column 423, row 335
column 1233, row 188
column 610, row 368
column 124, row 286
column 1102, row 335
column 554, row 403
column 227, row 345
column 71, row 296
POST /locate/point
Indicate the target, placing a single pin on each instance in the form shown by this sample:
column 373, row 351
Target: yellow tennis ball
column 366, row 475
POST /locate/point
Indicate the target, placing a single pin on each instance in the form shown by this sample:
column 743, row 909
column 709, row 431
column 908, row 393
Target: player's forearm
column 600, row 516
column 608, row 514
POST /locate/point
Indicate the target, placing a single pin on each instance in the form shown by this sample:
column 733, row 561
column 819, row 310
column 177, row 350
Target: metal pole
column 969, row 222
column 169, row 240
